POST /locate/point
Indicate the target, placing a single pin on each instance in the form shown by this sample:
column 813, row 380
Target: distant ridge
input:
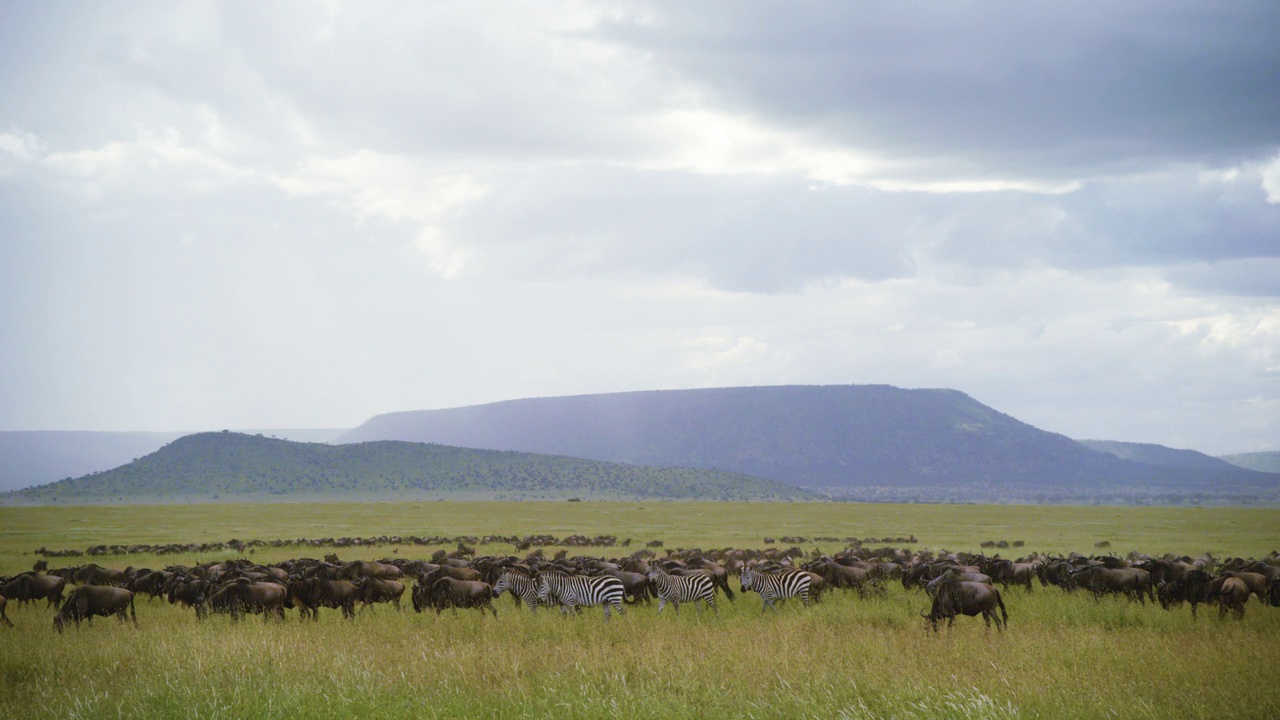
column 37, row 457
column 1268, row 462
column 228, row 466
column 1159, row 455
column 829, row 436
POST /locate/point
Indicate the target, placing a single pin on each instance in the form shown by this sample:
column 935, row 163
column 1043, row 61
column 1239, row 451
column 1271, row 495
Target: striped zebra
column 522, row 587
column 783, row 585
column 573, row 591
column 676, row 589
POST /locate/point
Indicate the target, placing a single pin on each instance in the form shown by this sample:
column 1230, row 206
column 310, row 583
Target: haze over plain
column 305, row 214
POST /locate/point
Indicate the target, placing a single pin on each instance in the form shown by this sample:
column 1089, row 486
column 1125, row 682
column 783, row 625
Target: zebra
column 522, row 587
column 676, row 589
column 786, row 584
column 573, row 591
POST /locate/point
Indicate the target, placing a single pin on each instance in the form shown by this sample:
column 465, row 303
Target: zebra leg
column 662, row 603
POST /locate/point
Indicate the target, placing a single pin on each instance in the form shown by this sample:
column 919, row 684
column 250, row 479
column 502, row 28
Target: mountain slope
column 809, row 436
column 1268, row 462
column 227, row 464
column 1151, row 454
column 38, row 457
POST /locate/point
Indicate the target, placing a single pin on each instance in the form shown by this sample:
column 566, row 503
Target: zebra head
column 503, row 583
column 748, row 578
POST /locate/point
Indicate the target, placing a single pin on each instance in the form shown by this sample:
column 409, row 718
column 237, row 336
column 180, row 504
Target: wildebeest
column 92, row 574
column 1191, row 587
column 1231, row 593
column 192, row 592
column 962, row 597
column 371, row 590
column 243, row 595
column 4, row 617
column 90, row 600
column 312, row 593
column 31, row 586
column 447, row 592
column 1133, row 583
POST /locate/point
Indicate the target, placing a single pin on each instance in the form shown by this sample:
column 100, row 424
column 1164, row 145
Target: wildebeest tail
column 132, row 612
column 1004, row 614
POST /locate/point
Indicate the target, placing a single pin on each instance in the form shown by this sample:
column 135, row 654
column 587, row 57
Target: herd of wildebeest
column 954, row 583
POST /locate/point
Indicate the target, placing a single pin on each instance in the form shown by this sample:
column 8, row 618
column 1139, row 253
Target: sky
column 303, row 214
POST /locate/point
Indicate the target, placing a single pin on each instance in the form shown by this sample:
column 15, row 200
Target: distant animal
column 676, row 589
column 90, row 600
column 962, row 597
column 777, row 586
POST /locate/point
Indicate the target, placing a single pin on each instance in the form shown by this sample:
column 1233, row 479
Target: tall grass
column 847, row 657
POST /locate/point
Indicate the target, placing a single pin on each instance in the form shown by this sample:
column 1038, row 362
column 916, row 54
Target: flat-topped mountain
column 831, row 436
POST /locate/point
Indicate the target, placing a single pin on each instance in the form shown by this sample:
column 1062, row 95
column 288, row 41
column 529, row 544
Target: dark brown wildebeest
column 955, row 575
column 960, row 597
column 1133, row 583
column 371, row 590
column 4, row 617
column 362, row 568
column 90, row 600
column 457, row 573
column 718, row 574
column 92, row 574
column 1231, row 593
column 1191, row 586
column 843, row 576
column 314, row 593
column 192, row 592
column 1256, row 582
column 635, row 585
column 242, row 596
column 31, row 586
column 449, row 593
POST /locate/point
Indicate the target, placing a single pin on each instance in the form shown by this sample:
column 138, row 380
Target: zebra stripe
column 521, row 586
column 676, row 589
column 786, row 584
column 581, row 590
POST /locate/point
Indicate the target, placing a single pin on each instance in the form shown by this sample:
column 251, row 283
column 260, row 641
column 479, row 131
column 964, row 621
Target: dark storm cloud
column 1043, row 89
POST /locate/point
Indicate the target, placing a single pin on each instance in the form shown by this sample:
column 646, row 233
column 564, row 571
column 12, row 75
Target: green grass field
column 1063, row 656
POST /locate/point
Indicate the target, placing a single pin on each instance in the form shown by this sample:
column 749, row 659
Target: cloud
column 307, row 213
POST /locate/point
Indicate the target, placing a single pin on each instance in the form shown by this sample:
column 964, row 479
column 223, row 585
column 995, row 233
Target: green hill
column 1268, row 462
column 229, row 465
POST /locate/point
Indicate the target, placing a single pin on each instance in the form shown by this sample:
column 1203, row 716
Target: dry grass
column 1064, row 656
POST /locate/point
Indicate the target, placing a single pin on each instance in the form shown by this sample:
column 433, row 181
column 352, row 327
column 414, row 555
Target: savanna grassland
column 851, row 657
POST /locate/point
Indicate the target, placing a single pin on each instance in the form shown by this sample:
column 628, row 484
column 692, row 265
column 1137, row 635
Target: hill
column 225, row 466
column 871, row 442
column 38, row 457
column 1159, row 455
column 1268, row 462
